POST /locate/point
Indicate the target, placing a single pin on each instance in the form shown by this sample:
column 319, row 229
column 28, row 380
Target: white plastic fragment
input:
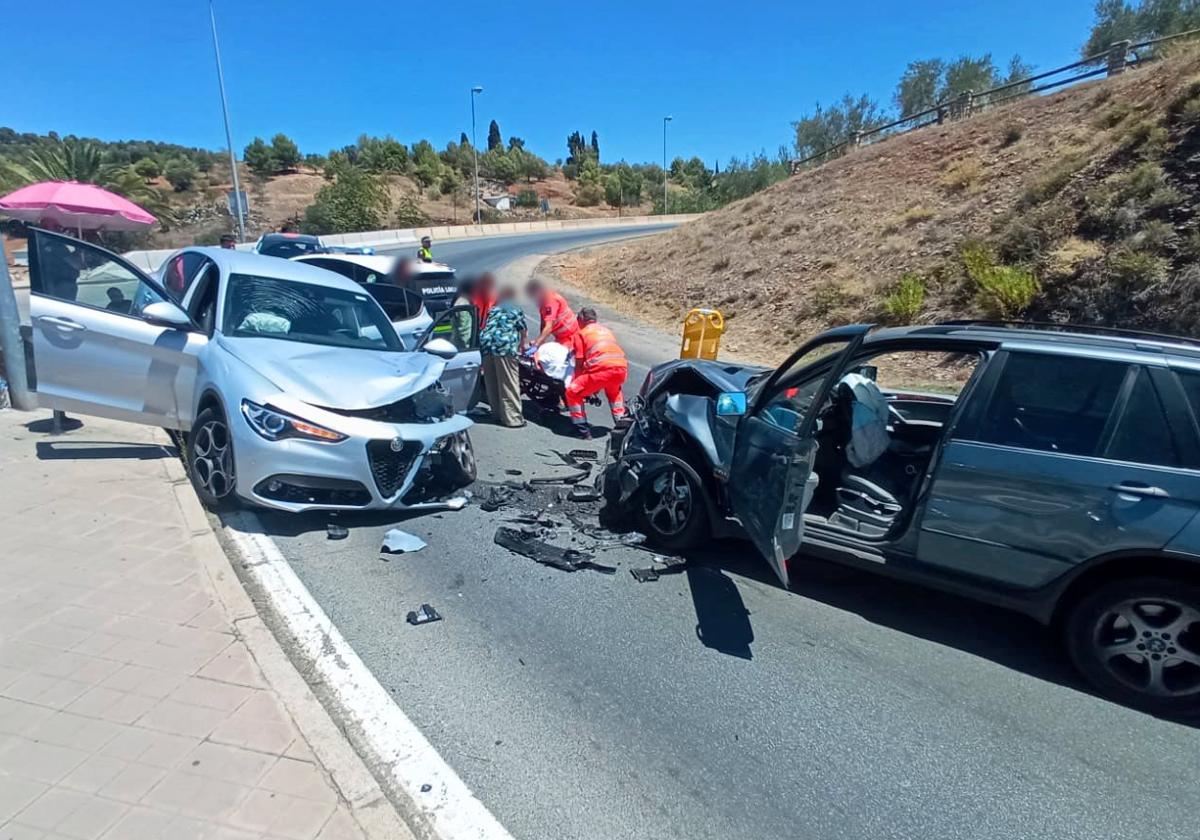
column 396, row 541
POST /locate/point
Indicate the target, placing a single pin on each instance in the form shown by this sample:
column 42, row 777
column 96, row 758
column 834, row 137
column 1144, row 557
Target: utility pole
column 10, row 341
column 666, row 120
column 475, row 150
column 237, row 188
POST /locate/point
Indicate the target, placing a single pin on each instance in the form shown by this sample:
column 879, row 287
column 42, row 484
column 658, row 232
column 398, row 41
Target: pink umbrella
column 70, row 204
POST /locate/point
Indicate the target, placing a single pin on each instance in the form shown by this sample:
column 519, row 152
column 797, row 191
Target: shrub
column 1002, row 291
column 1155, row 236
column 1114, row 116
column 961, row 175
column 148, row 168
column 1051, row 180
column 1026, row 236
column 1012, row 135
column 354, row 201
column 527, row 198
column 916, row 214
column 1134, row 270
column 1186, row 107
column 1145, row 137
column 180, row 174
column 409, row 214
column 906, row 299
column 1065, row 260
column 1116, row 205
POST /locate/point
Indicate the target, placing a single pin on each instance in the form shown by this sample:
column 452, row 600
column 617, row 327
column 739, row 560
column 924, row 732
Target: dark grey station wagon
column 1049, row 469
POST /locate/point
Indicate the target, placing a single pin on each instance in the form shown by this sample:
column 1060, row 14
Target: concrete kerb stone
column 369, row 806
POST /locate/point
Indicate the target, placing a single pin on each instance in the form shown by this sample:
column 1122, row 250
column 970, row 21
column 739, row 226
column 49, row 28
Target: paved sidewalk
column 133, row 701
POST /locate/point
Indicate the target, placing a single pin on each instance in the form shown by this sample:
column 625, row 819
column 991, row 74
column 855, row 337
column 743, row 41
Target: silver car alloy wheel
column 212, row 459
column 463, row 452
column 1151, row 645
column 667, row 503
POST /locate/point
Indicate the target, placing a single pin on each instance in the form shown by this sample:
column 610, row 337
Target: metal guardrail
column 1115, row 61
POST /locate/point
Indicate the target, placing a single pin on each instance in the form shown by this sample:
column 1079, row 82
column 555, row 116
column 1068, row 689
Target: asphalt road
column 712, row 703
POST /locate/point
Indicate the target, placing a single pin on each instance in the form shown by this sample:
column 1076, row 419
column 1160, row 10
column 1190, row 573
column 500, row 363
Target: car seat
column 864, row 503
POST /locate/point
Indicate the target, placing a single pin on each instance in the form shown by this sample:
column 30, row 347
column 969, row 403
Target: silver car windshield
column 268, row 307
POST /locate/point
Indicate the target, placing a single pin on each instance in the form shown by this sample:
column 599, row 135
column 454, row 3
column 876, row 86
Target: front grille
column 311, row 490
column 389, row 468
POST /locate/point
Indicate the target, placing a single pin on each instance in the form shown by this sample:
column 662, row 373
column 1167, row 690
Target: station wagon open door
column 776, row 445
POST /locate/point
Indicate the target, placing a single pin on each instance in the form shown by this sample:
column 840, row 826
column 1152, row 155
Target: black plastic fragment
column 425, row 615
column 582, row 455
column 528, row 544
column 644, row 575
column 497, row 497
column 336, row 532
column 583, row 493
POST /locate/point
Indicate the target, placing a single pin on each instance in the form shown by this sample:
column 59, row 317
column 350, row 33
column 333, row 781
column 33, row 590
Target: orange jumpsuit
column 561, row 318
column 600, row 364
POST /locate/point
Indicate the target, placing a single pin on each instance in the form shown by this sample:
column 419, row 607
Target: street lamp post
column 475, row 150
column 237, row 189
column 666, row 120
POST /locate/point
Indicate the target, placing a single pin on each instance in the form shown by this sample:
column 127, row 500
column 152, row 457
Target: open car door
column 460, row 326
column 770, row 484
column 107, row 339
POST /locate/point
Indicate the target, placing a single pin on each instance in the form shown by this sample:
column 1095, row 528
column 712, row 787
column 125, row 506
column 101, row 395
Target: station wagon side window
column 1052, row 403
column 1142, row 434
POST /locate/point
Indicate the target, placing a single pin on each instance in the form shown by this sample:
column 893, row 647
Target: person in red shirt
column 483, row 296
column 558, row 319
column 600, row 365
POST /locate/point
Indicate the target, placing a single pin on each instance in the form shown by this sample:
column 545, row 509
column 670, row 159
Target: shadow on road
column 722, row 620
column 92, row 450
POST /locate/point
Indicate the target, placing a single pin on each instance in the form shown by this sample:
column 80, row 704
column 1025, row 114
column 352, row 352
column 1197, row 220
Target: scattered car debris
column 396, row 541
column 425, row 615
column 669, row 566
column 512, row 472
column 426, row 788
column 497, row 497
column 582, row 455
column 336, row 532
column 529, row 544
column 583, row 493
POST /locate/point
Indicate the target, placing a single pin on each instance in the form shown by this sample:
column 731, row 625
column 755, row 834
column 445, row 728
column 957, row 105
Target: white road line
column 448, row 809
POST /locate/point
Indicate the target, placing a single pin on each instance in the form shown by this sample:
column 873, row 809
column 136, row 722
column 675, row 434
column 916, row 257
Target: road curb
column 370, row 807
column 427, row 793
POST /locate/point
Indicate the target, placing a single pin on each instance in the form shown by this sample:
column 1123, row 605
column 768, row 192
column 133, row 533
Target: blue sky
column 734, row 76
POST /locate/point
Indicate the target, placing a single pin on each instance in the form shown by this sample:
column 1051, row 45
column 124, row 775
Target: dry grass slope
column 1076, row 205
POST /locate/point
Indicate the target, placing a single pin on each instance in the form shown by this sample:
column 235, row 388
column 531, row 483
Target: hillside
column 1079, row 205
column 275, row 200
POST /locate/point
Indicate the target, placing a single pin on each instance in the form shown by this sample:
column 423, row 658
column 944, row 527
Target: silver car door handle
column 1141, row 490
column 61, row 323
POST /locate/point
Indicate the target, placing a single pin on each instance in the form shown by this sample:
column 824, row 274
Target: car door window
column 1053, row 403
column 1142, row 434
column 367, row 276
column 73, row 271
column 180, row 272
column 203, row 304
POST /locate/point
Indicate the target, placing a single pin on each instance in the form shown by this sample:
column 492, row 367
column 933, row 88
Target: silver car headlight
column 273, row 424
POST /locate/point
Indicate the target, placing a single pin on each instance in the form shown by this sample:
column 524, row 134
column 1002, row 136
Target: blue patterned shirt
column 502, row 334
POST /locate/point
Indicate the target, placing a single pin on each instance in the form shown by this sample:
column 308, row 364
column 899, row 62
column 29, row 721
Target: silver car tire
column 210, row 462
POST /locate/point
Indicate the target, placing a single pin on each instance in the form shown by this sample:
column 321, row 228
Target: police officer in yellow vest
column 425, row 252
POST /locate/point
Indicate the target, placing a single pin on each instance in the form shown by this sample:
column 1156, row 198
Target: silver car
column 289, row 384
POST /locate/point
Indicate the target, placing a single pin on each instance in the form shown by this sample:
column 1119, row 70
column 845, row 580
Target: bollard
column 702, row 330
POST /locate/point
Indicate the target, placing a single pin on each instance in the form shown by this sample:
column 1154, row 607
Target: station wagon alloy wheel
column 667, row 504
column 212, row 459
column 1152, row 645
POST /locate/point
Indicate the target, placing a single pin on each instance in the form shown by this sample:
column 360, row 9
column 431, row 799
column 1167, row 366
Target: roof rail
column 1078, row 329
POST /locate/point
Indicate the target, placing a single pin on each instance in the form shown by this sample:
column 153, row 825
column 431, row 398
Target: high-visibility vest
column 425, row 254
column 563, row 324
column 597, row 348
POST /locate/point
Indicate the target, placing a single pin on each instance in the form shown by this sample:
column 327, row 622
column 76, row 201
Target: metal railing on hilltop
column 1113, row 61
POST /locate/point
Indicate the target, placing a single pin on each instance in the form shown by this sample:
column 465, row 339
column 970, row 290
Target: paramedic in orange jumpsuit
column 558, row 319
column 600, row 365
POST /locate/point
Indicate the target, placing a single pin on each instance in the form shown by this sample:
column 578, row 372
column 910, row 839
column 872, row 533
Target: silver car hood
column 336, row 377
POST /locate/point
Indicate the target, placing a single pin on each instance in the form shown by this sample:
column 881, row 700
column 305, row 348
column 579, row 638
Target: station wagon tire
column 1138, row 641
column 210, row 461
column 458, row 467
column 670, row 509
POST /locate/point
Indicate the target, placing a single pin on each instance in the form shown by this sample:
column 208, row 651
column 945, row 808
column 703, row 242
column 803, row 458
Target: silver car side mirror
column 441, row 348
column 163, row 313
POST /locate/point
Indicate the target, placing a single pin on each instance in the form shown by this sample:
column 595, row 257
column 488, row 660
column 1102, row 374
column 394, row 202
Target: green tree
column 1117, row 20
column 148, row 168
column 515, row 143
column 920, row 87
column 259, row 158
column 826, row 127
column 427, row 166
column 180, row 173
column 968, row 73
column 495, row 140
column 500, row 165
column 285, row 152
column 588, row 190
column 382, row 155
column 596, row 145
column 409, row 214
column 355, row 200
